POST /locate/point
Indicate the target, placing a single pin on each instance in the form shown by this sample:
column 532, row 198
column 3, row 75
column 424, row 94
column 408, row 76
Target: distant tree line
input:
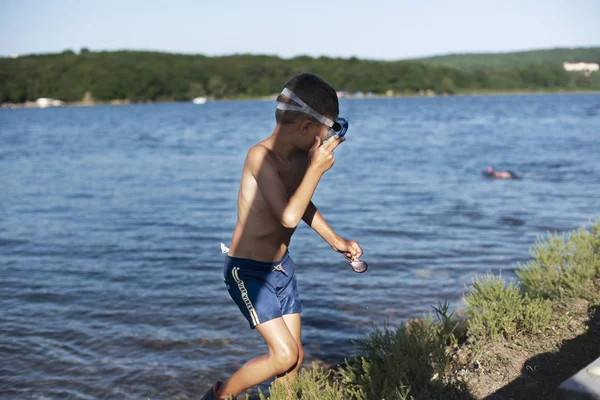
column 142, row 76
column 516, row 59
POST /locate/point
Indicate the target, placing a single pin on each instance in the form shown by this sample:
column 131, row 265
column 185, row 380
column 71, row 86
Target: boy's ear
column 305, row 126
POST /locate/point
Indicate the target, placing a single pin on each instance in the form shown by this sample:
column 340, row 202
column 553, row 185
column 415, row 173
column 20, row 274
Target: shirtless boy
column 279, row 178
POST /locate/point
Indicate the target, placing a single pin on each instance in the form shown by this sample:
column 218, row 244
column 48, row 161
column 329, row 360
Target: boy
column 278, row 180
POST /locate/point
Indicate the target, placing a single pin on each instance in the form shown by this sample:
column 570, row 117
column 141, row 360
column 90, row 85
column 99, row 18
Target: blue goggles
column 340, row 126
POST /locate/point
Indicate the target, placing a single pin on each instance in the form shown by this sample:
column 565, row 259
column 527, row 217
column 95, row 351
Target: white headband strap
column 303, row 107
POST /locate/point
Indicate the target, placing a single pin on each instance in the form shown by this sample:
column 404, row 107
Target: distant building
column 581, row 66
column 44, row 102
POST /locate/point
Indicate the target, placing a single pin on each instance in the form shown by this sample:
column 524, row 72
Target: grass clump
column 413, row 361
column 563, row 268
column 496, row 309
column 408, row 362
column 312, row 384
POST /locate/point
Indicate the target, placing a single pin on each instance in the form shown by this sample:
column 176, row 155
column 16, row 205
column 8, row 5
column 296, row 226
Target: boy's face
column 309, row 130
column 323, row 132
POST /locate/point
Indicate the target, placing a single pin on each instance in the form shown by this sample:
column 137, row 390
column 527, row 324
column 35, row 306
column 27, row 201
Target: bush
column 312, row 384
column 412, row 361
column 403, row 363
column 563, row 268
column 496, row 309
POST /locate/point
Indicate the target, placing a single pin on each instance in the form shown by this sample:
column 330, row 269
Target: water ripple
column 111, row 219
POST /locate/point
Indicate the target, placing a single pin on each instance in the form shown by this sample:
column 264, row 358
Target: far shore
column 423, row 94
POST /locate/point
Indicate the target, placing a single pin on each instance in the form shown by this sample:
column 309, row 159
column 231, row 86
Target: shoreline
column 458, row 93
column 520, row 339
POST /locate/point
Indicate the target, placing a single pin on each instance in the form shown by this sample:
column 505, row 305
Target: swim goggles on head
column 337, row 127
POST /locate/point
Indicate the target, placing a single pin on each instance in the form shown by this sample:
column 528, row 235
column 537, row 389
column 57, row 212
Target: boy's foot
column 213, row 392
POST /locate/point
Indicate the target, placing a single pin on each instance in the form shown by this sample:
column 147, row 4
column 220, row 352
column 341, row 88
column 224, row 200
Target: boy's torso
column 259, row 235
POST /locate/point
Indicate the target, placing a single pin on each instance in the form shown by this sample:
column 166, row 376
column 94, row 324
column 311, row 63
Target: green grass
column 496, row 309
column 412, row 361
column 400, row 362
column 563, row 268
column 312, row 384
column 406, row 362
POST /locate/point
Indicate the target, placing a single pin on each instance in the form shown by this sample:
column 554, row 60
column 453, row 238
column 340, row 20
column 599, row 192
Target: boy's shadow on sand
column 542, row 374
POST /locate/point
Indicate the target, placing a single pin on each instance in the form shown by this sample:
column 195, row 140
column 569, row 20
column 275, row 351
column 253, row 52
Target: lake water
column 111, row 219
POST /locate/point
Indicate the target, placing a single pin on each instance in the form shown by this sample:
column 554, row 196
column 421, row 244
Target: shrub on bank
column 563, row 268
column 496, row 309
column 312, row 384
column 400, row 362
column 412, row 361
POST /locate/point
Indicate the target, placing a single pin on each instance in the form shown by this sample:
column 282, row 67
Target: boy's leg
column 293, row 323
column 283, row 356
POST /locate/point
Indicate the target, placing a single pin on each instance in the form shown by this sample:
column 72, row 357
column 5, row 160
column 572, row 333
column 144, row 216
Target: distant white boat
column 199, row 100
column 44, row 102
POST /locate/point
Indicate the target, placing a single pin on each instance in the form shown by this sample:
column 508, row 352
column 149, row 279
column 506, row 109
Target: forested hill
column 515, row 59
column 142, row 76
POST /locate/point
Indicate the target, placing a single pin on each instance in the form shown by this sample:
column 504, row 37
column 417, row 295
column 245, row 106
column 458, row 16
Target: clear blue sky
column 374, row 29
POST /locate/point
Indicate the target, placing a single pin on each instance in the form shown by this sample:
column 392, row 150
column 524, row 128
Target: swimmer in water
column 490, row 173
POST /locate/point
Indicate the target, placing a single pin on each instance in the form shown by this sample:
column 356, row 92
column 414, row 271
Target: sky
column 384, row 30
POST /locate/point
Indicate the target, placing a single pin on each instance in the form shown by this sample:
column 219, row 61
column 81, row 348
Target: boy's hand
column 349, row 248
column 321, row 157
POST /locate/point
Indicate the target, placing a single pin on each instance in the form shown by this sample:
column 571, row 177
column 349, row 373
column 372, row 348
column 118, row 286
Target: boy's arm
column 315, row 220
column 289, row 210
column 349, row 248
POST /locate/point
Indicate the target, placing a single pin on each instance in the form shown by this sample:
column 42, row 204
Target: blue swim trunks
column 263, row 291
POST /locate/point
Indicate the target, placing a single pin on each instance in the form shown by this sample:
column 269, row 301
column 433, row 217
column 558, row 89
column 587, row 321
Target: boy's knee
column 286, row 357
column 300, row 354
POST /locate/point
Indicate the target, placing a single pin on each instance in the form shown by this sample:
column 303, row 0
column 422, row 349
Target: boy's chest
column 291, row 175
